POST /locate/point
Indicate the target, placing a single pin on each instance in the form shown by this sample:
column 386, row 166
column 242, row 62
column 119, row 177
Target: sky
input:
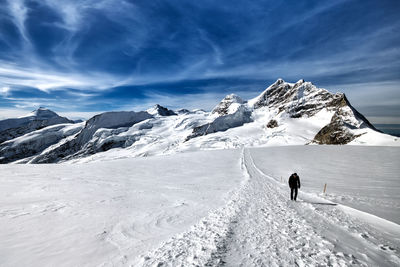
column 83, row 57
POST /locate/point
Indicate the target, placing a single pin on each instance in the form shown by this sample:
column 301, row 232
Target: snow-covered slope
column 34, row 142
column 37, row 119
column 229, row 118
column 229, row 105
column 284, row 114
column 233, row 209
column 87, row 140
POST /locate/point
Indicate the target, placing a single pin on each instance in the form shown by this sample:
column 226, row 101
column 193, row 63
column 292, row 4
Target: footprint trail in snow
column 259, row 226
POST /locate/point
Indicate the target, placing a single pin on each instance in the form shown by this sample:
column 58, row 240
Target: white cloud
column 4, row 91
column 73, row 12
column 7, row 113
column 18, row 10
column 47, row 81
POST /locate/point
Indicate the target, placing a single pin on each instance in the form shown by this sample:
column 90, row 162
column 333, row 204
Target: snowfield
column 207, row 208
column 365, row 178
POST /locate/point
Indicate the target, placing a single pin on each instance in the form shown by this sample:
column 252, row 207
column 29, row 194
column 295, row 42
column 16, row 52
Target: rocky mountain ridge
column 283, row 114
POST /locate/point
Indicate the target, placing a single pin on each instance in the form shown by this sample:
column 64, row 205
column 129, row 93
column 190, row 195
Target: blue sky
column 82, row 57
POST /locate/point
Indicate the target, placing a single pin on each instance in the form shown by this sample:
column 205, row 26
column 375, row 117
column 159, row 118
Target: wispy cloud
column 86, row 50
column 19, row 11
column 15, row 77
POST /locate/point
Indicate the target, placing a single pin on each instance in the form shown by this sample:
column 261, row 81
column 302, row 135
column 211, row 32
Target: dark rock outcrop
column 162, row 111
column 301, row 99
column 339, row 130
column 272, row 124
column 335, row 133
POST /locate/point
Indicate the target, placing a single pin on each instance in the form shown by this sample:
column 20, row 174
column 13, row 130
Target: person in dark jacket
column 294, row 184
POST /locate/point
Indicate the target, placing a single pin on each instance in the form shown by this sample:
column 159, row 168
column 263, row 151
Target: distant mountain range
column 284, row 114
column 38, row 119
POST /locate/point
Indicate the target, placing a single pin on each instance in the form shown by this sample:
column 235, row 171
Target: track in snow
column 259, row 226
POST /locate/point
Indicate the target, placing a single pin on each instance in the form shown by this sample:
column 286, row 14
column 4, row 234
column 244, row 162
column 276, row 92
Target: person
column 294, row 184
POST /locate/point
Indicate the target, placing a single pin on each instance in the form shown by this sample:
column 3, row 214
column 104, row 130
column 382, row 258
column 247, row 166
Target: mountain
column 158, row 110
column 37, row 119
column 37, row 142
column 229, row 105
column 90, row 140
column 231, row 112
column 303, row 99
column 283, row 114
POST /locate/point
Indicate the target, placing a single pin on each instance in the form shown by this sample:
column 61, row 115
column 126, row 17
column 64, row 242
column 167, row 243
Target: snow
column 44, row 134
column 229, row 105
column 158, row 110
column 42, row 114
column 365, row 178
column 373, row 138
column 29, row 144
column 167, row 135
column 220, row 207
column 38, row 114
column 94, row 214
column 259, row 226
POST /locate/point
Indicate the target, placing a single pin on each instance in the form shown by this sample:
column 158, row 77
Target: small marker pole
column 324, row 188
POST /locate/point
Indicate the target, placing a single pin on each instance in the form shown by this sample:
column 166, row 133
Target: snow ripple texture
column 259, row 226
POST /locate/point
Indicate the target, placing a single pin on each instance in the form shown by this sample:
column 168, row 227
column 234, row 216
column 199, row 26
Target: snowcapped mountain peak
column 283, row 114
column 158, row 110
column 228, row 105
column 280, row 87
column 293, row 97
column 43, row 113
column 35, row 120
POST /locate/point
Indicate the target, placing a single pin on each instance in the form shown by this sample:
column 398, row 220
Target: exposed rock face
column 301, row 99
column 38, row 119
column 335, row 133
column 183, row 111
column 228, row 105
column 160, row 110
column 344, row 120
column 272, row 124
